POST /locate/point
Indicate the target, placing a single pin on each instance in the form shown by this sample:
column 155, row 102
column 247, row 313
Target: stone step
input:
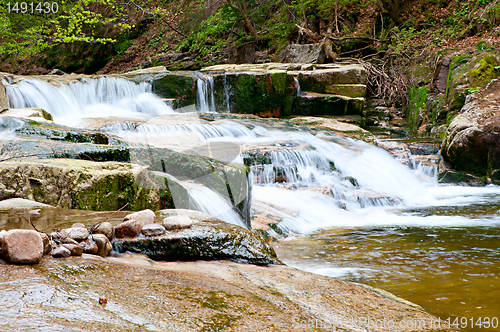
column 313, row 104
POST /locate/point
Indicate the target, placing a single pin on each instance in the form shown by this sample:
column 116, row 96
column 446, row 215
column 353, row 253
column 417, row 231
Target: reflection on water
column 49, row 219
column 450, row 271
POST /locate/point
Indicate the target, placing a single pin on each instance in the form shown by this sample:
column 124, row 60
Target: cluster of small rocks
column 20, row 246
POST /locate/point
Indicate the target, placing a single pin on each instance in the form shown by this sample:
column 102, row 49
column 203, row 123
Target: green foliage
column 485, row 72
column 210, row 36
column 26, row 31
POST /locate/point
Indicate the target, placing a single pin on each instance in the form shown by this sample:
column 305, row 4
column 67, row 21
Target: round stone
column 153, row 230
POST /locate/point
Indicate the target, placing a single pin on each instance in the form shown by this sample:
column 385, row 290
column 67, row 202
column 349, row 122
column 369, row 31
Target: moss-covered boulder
column 178, row 85
column 472, row 142
column 81, row 184
column 267, row 94
column 203, row 241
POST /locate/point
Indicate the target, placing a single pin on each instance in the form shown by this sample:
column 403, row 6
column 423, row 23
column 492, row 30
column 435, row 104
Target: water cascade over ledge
column 309, row 183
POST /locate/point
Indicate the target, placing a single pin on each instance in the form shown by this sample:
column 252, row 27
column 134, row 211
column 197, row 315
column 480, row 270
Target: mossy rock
column 80, row 184
column 178, row 85
column 267, row 93
column 203, row 241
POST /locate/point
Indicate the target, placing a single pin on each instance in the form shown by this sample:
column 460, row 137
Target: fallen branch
column 360, row 38
column 96, row 225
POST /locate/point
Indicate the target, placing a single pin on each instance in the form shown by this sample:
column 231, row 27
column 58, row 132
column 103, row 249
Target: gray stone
column 78, row 224
column 132, row 224
column 22, row 246
column 153, row 230
column 103, row 244
column 60, row 252
column 305, row 53
column 76, row 233
column 107, row 229
column 177, row 222
column 75, row 249
column 2, row 234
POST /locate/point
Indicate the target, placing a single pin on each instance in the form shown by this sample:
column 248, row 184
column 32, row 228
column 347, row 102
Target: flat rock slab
column 21, row 204
column 192, row 296
column 203, row 241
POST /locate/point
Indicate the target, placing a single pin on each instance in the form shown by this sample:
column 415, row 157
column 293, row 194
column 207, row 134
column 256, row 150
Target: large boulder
column 20, row 246
column 472, row 141
column 203, row 241
column 303, row 53
column 81, row 184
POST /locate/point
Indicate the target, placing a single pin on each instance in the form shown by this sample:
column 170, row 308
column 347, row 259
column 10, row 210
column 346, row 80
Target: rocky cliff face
column 472, row 141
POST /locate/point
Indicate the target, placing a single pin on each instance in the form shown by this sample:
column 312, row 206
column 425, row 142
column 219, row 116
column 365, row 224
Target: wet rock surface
column 168, row 296
column 203, row 241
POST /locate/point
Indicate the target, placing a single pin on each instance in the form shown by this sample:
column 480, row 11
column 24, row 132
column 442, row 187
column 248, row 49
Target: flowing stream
column 341, row 207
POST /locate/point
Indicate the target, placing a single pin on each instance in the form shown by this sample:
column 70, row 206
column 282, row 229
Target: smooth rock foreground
column 143, row 295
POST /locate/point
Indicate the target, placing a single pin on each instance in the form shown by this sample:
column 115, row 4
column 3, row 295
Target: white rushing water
column 88, row 98
column 308, row 181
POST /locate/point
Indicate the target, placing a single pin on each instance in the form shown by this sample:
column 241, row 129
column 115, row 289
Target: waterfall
column 298, row 85
column 307, row 181
column 212, row 203
column 70, row 102
column 227, row 88
column 205, row 102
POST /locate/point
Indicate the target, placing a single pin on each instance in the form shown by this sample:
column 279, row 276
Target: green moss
column 177, row 85
column 418, row 99
column 279, row 78
column 485, row 72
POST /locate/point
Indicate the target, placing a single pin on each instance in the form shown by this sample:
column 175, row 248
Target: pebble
column 177, row 222
column 153, row 230
column 76, row 233
column 132, row 224
column 75, row 249
column 107, row 229
column 103, row 244
column 60, row 252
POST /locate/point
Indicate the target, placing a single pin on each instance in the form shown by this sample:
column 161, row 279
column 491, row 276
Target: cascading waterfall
column 102, row 97
column 205, row 102
column 309, row 181
column 298, row 85
column 357, row 202
column 227, row 93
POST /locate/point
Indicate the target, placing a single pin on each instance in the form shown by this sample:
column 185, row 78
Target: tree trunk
column 242, row 10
